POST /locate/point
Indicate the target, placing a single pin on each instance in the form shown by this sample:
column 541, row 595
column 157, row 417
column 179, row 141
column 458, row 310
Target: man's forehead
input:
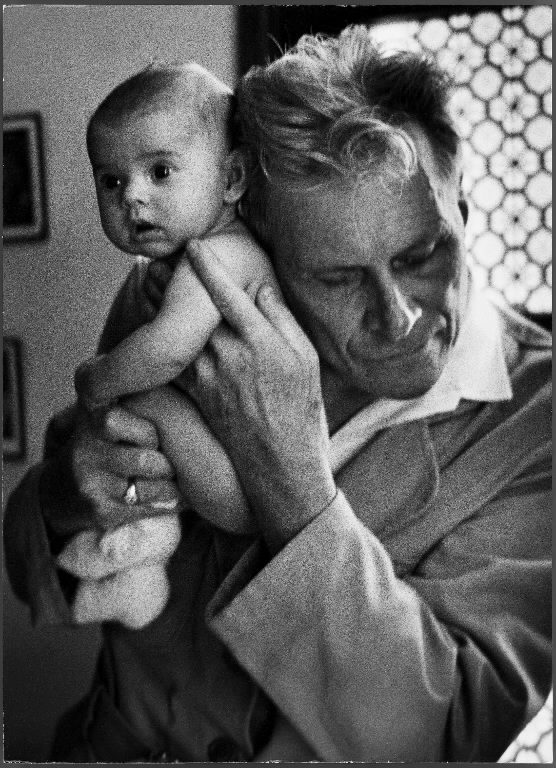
column 443, row 179
column 382, row 212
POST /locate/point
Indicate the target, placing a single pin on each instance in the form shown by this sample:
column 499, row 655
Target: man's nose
column 395, row 314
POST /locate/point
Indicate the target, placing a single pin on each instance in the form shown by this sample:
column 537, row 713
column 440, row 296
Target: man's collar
column 476, row 370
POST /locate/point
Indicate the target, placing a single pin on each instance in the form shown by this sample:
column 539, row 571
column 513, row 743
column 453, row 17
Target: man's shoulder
column 528, row 350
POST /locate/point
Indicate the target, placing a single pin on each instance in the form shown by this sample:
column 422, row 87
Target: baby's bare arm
column 156, row 352
column 159, row 351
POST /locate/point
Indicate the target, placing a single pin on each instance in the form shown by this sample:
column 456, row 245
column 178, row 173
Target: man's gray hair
column 336, row 107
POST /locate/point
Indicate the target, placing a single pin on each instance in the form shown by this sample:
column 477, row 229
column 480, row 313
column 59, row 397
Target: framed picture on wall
column 14, row 434
column 24, row 199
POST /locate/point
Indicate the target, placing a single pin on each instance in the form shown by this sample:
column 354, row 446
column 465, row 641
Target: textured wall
column 60, row 61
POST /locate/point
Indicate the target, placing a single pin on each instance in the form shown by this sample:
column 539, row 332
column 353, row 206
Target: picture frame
column 13, row 446
column 24, row 195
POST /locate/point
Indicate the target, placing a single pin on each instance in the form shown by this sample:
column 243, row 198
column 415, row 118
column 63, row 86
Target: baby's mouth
column 143, row 226
column 144, row 229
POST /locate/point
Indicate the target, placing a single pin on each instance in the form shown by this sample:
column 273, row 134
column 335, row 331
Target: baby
column 165, row 172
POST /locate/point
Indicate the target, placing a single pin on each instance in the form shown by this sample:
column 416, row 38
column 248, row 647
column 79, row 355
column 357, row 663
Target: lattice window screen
column 502, row 103
column 534, row 743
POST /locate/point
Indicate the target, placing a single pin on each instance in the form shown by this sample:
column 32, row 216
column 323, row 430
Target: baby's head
column 161, row 151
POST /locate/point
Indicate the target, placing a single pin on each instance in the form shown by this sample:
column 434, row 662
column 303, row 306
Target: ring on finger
column 130, row 496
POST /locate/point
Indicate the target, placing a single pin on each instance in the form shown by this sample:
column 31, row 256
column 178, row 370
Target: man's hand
column 86, row 476
column 257, row 383
column 111, row 447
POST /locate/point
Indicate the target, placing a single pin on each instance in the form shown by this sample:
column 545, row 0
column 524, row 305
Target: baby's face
column 160, row 181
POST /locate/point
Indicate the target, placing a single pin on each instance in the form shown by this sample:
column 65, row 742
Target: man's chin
column 397, row 388
column 407, row 392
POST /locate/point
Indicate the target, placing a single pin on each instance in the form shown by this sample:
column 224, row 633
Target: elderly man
column 395, row 602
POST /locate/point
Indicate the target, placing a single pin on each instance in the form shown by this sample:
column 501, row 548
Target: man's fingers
column 273, row 308
column 143, row 463
column 159, row 494
column 122, row 425
column 232, row 302
column 222, row 343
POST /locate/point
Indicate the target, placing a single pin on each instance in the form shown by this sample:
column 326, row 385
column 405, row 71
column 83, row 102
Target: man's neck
column 340, row 401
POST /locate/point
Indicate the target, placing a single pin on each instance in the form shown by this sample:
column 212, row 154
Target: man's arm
column 446, row 664
column 443, row 664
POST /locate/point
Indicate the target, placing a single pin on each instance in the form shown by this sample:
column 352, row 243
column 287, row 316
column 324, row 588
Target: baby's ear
column 236, row 181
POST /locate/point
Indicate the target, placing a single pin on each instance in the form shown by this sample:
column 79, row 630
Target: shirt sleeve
column 444, row 664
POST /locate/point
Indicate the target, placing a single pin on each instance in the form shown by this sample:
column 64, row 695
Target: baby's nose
column 134, row 192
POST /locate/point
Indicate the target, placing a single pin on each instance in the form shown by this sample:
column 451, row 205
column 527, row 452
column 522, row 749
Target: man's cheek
column 337, row 319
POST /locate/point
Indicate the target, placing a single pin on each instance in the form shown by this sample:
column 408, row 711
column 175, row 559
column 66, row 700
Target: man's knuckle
column 144, row 461
column 89, row 488
column 109, row 423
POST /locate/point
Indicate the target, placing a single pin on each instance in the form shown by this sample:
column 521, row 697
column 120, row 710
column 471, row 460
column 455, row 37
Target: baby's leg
column 205, row 474
column 134, row 597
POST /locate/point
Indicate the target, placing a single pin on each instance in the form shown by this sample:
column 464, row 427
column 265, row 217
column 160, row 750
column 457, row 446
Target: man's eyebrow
column 443, row 230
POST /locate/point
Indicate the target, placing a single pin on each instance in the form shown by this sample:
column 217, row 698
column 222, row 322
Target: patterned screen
column 502, row 103
column 534, row 743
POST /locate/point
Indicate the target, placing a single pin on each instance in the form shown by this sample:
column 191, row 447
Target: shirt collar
column 476, row 370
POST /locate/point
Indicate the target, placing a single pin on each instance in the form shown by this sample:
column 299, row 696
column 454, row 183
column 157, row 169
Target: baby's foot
column 89, row 555
column 133, row 597
column 116, row 544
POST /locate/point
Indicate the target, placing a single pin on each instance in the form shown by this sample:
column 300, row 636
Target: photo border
column 13, row 448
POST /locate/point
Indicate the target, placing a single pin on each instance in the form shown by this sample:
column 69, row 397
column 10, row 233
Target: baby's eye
column 109, row 181
column 161, row 171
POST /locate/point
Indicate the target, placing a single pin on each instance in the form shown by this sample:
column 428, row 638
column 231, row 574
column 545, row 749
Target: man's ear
column 236, row 176
column 462, row 202
column 463, row 208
